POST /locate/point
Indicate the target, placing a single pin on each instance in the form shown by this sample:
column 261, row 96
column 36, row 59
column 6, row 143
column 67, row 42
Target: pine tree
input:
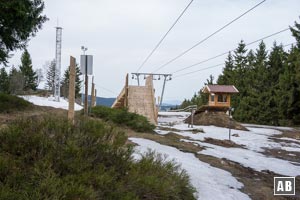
column 30, row 76
column 296, row 33
column 4, row 81
column 65, row 82
column 19, row 20
column 50, row 76
column 226, row 77
column 16, row 81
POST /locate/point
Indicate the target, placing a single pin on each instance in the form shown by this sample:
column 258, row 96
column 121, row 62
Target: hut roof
column 220, row 89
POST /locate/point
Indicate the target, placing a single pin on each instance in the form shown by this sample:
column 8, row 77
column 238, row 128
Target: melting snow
column 208, row 181
column 43, row 101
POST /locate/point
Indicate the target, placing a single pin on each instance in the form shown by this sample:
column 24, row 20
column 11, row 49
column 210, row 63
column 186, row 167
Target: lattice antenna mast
column 57, row 63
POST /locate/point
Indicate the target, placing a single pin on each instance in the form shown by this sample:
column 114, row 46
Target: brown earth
column 257, row 185
column 215, row 118
column 223, row 143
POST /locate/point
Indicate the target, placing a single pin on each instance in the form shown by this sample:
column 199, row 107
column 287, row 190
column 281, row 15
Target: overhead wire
column 209, row 36
column 165, row 35
column 226, row 52
column 213, row 66
column 107, row 90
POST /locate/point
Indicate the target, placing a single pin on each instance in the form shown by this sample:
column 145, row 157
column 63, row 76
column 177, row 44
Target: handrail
column 119, row 97
column 188, row 108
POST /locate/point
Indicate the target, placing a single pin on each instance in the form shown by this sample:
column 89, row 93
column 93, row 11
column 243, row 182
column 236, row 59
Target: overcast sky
column 121, row 33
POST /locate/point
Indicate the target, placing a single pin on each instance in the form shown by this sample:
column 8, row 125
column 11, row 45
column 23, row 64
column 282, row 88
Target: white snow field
column 215, row 183
column 210, row 182
column 43, row 101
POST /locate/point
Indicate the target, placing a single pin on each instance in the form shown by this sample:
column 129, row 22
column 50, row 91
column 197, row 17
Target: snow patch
column 43, row 101
column 210, row 182
column 248, row 158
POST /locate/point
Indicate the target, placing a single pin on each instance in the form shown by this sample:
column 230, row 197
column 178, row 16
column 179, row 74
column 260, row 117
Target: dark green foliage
column 50, row 76
column 145, row 173
column 48, row 158
column 65, row 83
column 16, row 81
column 9, row 103
column 268, row 82
column 123, row 117
column 4, row 81
column 30, row 76
column 20, row 20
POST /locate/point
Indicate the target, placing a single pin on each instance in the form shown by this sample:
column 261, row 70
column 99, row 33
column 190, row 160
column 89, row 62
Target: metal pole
column 138, row 79
column 86, row 89
column 229, row 124
column 162, row 92
column 192, row 118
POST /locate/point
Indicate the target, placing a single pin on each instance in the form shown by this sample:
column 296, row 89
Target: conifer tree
column 65, row 82
column 50, row 76
column 226, row 77
column 16, row 81
column 30, row 76
column 19, row 20
column 4, row 81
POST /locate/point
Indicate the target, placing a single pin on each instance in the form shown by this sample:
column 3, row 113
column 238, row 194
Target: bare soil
column 257, row 185
column 223, row 143
column 218, row 118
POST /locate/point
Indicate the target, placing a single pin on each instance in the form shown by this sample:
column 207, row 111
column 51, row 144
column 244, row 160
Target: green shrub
column 48, row 158
column 9, row 103
column 123, row 117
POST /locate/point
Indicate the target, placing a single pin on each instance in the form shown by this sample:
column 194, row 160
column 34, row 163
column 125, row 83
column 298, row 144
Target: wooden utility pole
column 72, row 77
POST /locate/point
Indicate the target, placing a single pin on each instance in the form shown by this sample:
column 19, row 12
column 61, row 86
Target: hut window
column 222, row 98
column 212, row 97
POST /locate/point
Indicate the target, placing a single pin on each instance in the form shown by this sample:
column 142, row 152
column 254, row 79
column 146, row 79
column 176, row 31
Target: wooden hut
column 219, row 95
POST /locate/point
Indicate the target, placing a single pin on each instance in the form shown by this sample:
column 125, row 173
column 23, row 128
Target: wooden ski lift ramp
column 139, row 100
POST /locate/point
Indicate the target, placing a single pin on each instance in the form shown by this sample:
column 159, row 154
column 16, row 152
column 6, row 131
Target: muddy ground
column 257, row 185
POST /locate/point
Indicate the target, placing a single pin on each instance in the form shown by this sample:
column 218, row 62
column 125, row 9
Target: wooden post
column 126, row 92
column 72, row 70
column 93, row 93
column 95, row 103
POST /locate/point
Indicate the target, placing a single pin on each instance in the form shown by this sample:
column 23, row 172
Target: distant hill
column 102, row 101
column 109, row 101
column 105, row 101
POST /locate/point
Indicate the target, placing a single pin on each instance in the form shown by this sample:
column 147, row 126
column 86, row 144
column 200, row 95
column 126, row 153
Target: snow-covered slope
column 251, row 151
column 43, row 101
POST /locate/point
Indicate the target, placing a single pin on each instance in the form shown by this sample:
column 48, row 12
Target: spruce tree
column 65, row 82
column 227, row 76
column 16, row 81
column 30, row 76
column 50, row 76
column 19, row 20
column 4, row 81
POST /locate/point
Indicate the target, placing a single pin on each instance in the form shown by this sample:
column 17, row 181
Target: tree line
column 268, row 82
column 25, row 80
